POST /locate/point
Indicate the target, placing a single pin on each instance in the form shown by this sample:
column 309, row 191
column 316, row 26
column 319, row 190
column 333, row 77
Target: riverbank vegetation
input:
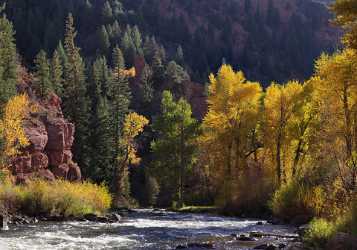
column 289, row 149
column 58, row 198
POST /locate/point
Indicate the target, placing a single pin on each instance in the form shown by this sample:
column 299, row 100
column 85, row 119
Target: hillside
column 268, row 39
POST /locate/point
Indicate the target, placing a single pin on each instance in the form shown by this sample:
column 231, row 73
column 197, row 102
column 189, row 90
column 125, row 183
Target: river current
column 144, row 229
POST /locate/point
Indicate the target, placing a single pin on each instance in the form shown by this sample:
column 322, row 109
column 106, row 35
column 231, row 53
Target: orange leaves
column 129, row 73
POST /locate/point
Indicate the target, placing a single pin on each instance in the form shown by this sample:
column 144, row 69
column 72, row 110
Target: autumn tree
column 133, row 126
column 279, row 105
column 11, row 128
column 346, row 16
column 230, row 127
column 336, row 88
column 174, row 149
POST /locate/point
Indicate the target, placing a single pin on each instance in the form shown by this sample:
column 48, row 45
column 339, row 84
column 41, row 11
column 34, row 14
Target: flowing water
column 144, row 229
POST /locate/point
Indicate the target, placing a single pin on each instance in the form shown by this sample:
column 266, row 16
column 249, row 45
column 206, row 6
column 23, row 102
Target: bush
column 319, row 232
column 297, row 199
column 57, row 198
column 348, row 222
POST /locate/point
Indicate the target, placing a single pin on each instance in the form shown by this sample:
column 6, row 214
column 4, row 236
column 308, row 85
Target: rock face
column 51, row 137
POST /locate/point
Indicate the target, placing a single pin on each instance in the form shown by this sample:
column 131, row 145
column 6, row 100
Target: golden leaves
column 11, row 127
column 134, row 125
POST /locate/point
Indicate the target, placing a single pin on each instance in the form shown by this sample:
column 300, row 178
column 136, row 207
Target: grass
column 55, row 198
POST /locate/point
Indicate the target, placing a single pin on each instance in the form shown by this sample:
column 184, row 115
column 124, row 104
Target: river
column 144, row 229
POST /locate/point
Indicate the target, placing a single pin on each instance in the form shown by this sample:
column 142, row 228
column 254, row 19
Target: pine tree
column 120, row 95
column 116, row 31
column 101, row 140
column 137, row 41
column 107, row 12
column 176, row 76
column 57, row 73
column 128, row 46
column 147, row 89
column 75, row 103
column 62, row 54
column 103, row 39
column 8, row 62
column 179, row 57
column 43, row 74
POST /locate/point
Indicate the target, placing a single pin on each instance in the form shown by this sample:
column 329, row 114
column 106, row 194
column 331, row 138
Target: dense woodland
column 289, row 147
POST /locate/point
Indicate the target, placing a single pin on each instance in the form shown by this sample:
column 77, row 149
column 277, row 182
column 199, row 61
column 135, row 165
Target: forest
column 162, row 124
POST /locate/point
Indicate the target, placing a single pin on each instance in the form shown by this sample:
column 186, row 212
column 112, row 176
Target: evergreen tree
column 158, row 68
column 120, row 97
column 176, row 76
column 128, row 46
column 116, row 31
column 8, row 62
column 137, row 41
column 62, row 54
column 75, row 103
column 43, row 74
column 57, row 73
column 103, row 39
column 107, row 12
column 179, row 57
column 147, row 89
column 101, row 140
column 174, row 151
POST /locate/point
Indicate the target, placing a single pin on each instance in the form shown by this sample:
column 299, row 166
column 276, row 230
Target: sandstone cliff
column 51, row 137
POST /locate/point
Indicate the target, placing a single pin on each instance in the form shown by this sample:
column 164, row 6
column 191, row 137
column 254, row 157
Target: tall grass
column 55, row 198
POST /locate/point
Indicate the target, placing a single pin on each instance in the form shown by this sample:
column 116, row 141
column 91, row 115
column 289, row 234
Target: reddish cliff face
column 51, row 137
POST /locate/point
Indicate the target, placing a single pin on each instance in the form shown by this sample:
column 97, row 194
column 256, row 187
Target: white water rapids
column 144, row 229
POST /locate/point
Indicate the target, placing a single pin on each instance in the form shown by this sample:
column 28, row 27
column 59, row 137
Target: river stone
column 244, row 237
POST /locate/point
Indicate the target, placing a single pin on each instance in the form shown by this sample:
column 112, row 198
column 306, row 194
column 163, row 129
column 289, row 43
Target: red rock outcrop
column 51, row 137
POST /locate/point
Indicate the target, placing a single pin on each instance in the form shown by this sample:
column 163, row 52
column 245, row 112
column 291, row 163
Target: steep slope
column 268, row 39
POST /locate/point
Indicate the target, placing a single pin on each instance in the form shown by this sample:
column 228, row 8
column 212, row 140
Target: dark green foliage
column 57, row 73
column 101, row 140
column 75, row 101
column 147, row 89
column 265, row 52
column 177, row 76
column 8, row 63
column 103, row 40
column 43, row 74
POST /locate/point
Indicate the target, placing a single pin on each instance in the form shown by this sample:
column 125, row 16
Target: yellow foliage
column 11, row 127
column 134, row 124
column 55, row 198
column 230, row 125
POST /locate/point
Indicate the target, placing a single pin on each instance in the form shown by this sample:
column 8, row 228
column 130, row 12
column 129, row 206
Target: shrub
column 298, row 199
column 319, row 232
column 58, row 198
column 348, row 222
